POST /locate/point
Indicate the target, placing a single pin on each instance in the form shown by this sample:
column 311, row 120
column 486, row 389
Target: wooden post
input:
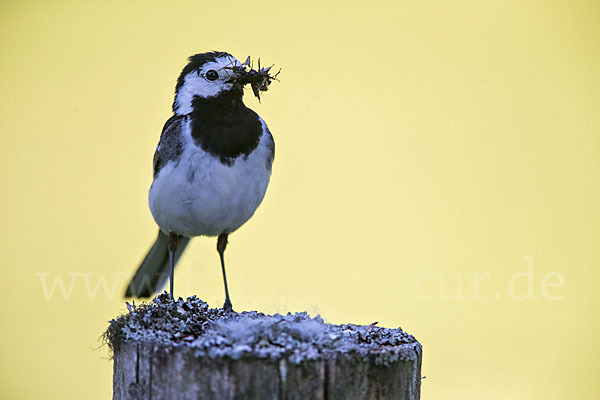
column 184, row 350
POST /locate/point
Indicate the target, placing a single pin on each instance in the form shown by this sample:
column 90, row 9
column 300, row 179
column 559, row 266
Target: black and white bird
column 212, row 165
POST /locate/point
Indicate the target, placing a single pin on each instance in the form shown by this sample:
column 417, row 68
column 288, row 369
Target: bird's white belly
column 200, row 196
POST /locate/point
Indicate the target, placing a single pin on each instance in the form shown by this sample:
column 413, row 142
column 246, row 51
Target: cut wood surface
column 184, row 350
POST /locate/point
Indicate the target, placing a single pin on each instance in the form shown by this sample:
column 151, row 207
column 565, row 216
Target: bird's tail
column 155, row 269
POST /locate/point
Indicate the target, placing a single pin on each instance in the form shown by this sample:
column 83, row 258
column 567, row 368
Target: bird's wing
column 269, row 142
column 170, row 146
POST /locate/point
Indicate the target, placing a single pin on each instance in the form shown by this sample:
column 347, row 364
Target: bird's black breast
column 225, row 128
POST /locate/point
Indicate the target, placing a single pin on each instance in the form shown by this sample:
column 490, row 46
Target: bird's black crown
column 196, row 62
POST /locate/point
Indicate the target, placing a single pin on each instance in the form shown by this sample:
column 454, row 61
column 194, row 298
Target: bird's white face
column 210, row 80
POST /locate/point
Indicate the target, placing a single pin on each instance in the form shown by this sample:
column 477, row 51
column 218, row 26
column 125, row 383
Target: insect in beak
column 259, row 79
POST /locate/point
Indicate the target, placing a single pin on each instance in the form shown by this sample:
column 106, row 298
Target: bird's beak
column 243, row 74
column 239, row 77
column 240, row 73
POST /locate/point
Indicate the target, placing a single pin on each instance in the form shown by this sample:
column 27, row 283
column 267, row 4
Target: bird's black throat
column 224, row 127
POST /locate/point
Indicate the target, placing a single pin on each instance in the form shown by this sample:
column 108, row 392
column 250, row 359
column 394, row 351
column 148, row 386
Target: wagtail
column 211, row 167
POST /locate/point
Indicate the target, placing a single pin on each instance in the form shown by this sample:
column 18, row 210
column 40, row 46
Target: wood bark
column 150, row 371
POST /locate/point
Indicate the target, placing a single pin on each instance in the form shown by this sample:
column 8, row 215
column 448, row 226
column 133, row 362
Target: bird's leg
column 172, row 246
column 221, row 245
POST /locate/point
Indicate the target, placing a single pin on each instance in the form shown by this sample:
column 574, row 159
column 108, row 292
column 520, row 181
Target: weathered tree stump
column 184, row 350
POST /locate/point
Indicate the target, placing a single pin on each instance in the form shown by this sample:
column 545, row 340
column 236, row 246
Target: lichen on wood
column 204, row 350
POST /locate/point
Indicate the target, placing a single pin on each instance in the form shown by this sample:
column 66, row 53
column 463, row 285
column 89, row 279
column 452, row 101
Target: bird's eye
column 212, row 75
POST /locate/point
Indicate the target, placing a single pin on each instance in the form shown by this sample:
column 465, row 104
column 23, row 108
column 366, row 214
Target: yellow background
column 437, row 138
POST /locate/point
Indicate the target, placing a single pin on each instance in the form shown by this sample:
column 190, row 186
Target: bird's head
column 216, row 74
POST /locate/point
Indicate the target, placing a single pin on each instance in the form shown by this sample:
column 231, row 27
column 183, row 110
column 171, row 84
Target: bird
column 211, row 168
